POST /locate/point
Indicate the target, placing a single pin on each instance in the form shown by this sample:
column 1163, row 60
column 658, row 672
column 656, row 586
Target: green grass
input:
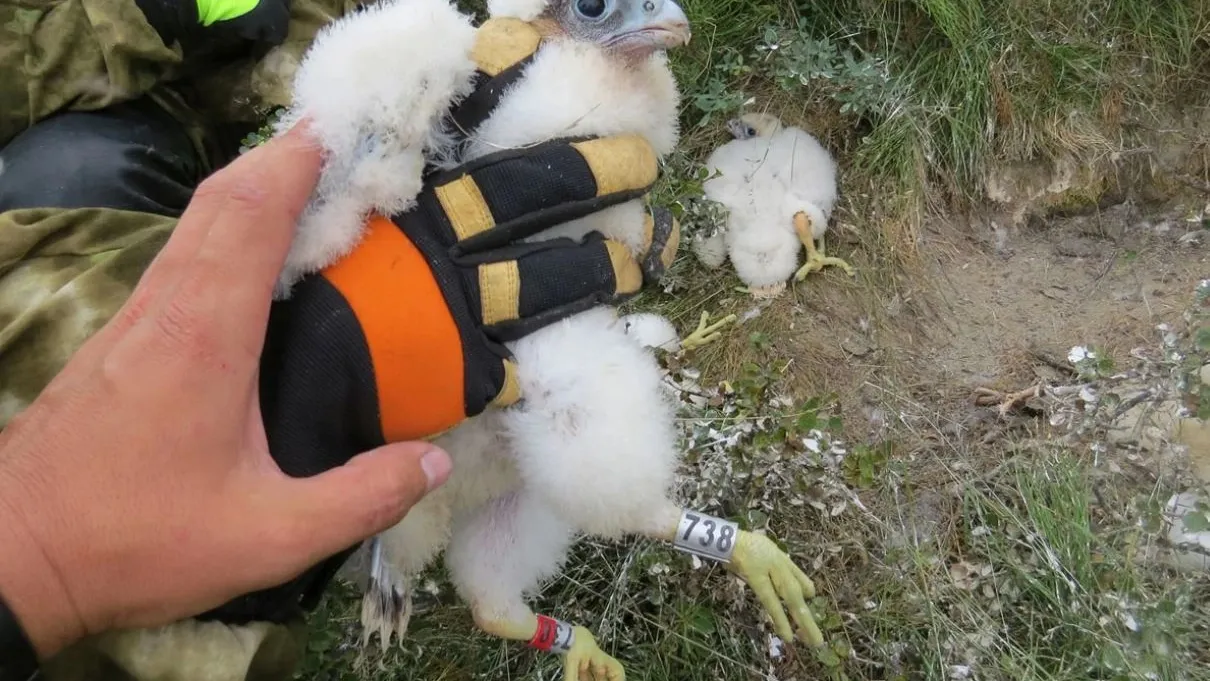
column 1037, row 581
column 921, row 95
column 1021, row 562
column 1033, row 581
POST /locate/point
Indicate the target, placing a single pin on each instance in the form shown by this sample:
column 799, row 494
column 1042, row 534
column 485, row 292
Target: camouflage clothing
column 84, row 55
column 73, row 54
column 65, row 271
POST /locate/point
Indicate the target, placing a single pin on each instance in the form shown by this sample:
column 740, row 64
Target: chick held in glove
column 778, row 185
column 402, row 337
column 590, row 445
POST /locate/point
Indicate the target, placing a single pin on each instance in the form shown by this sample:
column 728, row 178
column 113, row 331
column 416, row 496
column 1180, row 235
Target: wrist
column 31, row 588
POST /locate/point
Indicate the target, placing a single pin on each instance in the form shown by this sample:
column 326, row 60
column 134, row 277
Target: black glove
column 219, row 27
column 402, row 339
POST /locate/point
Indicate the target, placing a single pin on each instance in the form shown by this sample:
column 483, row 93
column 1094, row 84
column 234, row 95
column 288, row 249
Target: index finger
column 269, row 187
column 230, row 281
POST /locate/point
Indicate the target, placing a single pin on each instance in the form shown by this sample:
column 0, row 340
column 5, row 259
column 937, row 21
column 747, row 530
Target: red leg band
column 544, row 638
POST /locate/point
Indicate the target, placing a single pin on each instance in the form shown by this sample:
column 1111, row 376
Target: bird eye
column 751, row 131
column 590, row 9
column 649, row 6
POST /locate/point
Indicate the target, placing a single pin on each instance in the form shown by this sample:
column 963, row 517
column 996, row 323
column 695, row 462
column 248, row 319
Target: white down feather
column 592, row 446
column 373, row 86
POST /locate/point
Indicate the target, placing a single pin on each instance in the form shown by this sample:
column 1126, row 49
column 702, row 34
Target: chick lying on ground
column 591, row 448
column 778, row 185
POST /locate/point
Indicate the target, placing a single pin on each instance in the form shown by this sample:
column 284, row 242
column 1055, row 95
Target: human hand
column 138, row 488
column 403, row 337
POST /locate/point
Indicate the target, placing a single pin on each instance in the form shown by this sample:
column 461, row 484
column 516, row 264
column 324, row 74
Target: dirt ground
column 1104, row 279
column 984, row 299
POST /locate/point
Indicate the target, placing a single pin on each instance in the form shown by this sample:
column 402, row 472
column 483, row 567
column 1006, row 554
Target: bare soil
column 1103, row 279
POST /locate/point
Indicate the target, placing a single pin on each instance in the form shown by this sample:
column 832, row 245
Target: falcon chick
column 778, row 185
column 592, row 446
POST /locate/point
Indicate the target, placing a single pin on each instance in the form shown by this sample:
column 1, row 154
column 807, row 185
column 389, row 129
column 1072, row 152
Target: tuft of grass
column 920, row 96
column 1035, row 582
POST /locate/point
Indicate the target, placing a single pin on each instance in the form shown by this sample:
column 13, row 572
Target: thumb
column 368, row 494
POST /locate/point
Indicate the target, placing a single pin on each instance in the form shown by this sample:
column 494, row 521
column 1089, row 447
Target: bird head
column 634, row 29
column 753, row 124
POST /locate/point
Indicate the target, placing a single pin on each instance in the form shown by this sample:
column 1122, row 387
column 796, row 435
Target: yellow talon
column 777, row 580
column 704, row 333
column 586, row 661
column 816, row 259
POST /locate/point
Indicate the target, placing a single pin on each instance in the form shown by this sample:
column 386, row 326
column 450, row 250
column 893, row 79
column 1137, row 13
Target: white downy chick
column 765, row 176
column 592, row 446
column 652, row 331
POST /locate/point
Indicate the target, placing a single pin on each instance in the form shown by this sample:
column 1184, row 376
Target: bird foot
column 705, row 333
column 777, row 580
column 585, row 661
column 817, row 261
column 386, row 607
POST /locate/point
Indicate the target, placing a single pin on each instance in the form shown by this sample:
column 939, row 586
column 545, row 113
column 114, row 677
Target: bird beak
column 669, row 26
column 663, row 29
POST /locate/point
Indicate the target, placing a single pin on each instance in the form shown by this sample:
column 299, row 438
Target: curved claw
column 777, row 580
column 585, row 661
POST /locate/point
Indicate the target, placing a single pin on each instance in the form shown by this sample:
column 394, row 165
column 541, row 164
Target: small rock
column 1055, row 293
column 1192, row 238
column 1195, row 434
column 1147, row 423
column 1192, row 549
column 1204, row 374
column 856, row 346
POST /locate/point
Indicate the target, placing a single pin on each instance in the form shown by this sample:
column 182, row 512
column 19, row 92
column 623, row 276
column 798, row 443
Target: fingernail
column 437, row 465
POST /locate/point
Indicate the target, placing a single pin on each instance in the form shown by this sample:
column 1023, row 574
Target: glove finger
column 536, row 284
column 507, row 196
column 504, row 46
column 662, row 238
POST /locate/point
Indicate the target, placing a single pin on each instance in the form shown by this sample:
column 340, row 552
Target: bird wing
column 374, row 87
